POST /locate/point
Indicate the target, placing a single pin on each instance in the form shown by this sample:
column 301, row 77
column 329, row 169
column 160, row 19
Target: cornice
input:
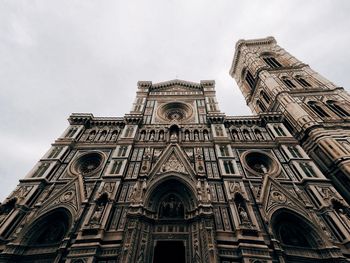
column 88, row 119
column 183, row 83
column 251, row 42
column 261, row 119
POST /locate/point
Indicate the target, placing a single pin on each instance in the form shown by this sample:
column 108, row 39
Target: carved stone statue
column 327, row 193
column 173, row 136
column 196, row 136
column 219, row 131
column 91, row 136
column 206, row 136
column 171, row 207
column 96, row 217
column 161, row 135
column 114, row 136
column 207, row 189
column 129, row 131
column 136, row 193
column 103, row 136
column 260, row 168
column 243, row 215
column 101, row 202
column 142, row 136
column 147, row 154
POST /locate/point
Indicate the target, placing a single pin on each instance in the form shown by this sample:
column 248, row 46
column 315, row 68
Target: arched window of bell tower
column 272, row 62
column 249, row 78
column 337, row 109
column 318, row 109
column 302, row 81
column 265, row 96
column 289, row 83
column 261, row 106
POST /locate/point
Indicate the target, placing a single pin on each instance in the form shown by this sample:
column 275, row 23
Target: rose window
column 175, row 111
column 260, row 163
column 88, row 164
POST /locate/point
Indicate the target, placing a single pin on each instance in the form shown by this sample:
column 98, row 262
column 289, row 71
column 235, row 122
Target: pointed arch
column 288, row 82
column 265, row 96
column 301, row 80
column 318, row 109
column 337, row 109
column 293, row 229
column 49, row 229
column 175, row 184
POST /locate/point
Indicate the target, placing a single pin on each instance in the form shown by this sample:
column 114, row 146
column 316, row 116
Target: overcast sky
column 59, row 57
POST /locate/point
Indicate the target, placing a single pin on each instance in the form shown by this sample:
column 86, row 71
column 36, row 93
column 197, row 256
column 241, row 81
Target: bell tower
column 315, row 110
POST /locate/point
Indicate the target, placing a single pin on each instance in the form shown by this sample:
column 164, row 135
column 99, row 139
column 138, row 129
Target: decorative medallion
column 67, row 196
column 278, row 197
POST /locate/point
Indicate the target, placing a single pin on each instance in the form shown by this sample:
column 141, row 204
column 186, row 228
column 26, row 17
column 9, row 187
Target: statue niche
column 171, row 207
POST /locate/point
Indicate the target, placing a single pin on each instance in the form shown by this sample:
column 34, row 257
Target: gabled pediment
column 173, row 160
column 274, row 196
column 70, row 196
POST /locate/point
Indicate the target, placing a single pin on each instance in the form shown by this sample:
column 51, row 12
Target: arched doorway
column 45, row 234
column 292, row 231
column 172, row 225
column 300, row 240
column 174, row 204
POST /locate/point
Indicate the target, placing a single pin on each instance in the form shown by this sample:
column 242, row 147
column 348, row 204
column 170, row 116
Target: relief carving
column 21, row 192
column 278, row 197
column 234, row 188
column 139, row 189
column 173, row 165
column 101, row 203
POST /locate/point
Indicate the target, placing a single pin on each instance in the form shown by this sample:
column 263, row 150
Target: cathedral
column 177, row 180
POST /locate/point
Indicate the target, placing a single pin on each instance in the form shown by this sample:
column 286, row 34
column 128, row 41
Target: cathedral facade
column 177, row 180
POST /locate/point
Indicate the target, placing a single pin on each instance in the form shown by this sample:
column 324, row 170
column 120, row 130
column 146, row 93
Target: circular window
column 88, row 164
column 260, row 163
column 175, row 111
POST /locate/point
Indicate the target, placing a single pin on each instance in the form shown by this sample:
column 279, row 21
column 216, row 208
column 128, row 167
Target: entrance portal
column 169, row 252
